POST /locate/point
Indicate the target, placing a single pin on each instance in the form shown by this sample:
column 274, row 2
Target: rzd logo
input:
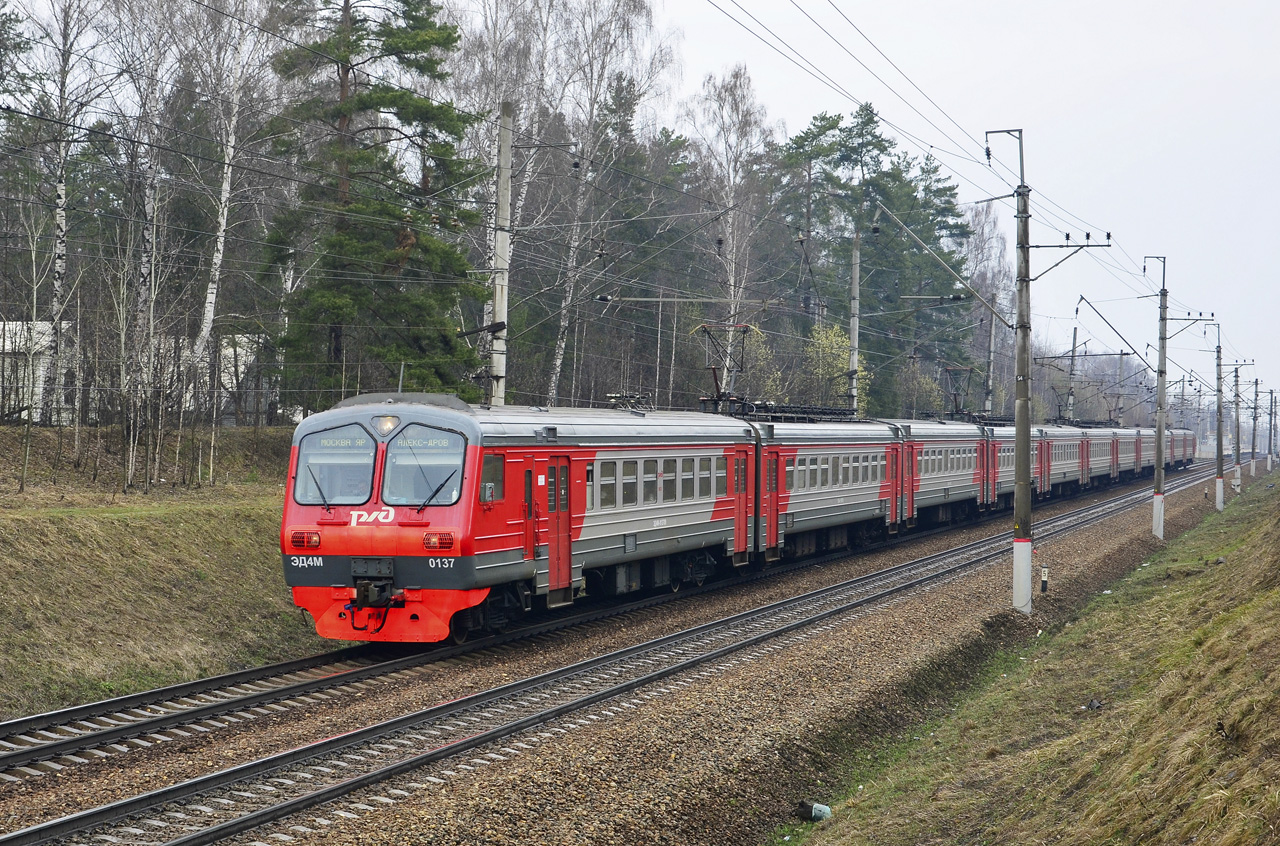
column 386, row 515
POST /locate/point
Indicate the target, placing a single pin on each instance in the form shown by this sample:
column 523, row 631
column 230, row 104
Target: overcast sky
column 1156, row 121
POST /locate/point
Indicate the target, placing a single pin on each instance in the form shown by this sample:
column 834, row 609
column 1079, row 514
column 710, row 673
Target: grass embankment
column 108, row 592
column 1153, row 717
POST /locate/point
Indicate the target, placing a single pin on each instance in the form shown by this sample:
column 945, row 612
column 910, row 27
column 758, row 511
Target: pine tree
column 379, row 279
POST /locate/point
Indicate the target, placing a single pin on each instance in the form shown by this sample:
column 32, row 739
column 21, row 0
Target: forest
column 242, row 211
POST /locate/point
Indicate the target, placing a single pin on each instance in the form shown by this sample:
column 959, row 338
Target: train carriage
column 403, row 512
column 416, row 517
column 1146, row 451
column 1061, row 453
column 824, row 481
column 1001, row 447
column 945, row 459
column 1101, row 465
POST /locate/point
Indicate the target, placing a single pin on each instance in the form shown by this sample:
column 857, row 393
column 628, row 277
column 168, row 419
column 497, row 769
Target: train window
column 608, row 484
column 650, row 481
column 551, row 488
column 528, row 494
column 824, row 472
column 704, row 478
column 866, row 468
column 493, row 486
column 668, row 480
column 722, row 476
column 335, row 467
column 423, row 467
column 591, row 487
column 802, row 473
column 771, row 482
column 564, row 488
column 789, row 474
column 813, row 472
column 844, row 470
column 686, row 478
column 629, row 484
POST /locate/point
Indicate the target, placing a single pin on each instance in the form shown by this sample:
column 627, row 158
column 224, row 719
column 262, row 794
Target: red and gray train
column 418, row 517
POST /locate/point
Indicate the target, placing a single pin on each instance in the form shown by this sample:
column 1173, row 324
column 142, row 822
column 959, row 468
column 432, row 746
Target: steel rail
column 130, row 807
column 78, row 734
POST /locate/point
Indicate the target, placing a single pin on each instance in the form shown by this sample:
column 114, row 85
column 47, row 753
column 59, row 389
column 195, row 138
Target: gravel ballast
column 722, row 757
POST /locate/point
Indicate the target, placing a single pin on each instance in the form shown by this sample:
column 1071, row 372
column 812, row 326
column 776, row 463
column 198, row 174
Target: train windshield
column 335, row 467
column 424, row 467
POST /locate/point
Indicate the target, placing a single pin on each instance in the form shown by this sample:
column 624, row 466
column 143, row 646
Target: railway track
column 48, row 743
column 488, row 728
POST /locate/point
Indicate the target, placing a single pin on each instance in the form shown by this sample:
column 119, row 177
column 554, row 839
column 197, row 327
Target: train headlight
column 305, row 540
column 385, row 424
column 437, row 540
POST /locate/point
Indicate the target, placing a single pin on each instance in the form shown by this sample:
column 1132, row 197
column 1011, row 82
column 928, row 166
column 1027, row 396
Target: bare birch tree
column 730, row 134
column 72, row 84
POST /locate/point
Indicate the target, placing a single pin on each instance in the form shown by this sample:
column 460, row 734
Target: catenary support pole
column 1253, row 435
column 855, row 294
column 1071, row 377
column 991, row 366
column 501, row 258
column 1220, row 494
column 1235, row 441
column 1022, row 539
column 1157, row 509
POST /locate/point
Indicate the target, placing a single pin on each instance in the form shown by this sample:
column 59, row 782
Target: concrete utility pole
column 991, row 366
column 1253, row 436
column 1071, row 377
column 855, row 313
column 1219, row 495
column 1157, row 509
column 1235, row 482
column 501, row 259
column 1022, row 547
column 1271, row 431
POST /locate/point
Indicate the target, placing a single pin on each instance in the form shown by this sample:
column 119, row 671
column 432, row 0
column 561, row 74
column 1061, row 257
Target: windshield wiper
column 439, row 488
column 323, row 498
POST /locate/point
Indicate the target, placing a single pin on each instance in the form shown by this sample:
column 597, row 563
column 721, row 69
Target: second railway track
column 222, row 804
column 47, row 743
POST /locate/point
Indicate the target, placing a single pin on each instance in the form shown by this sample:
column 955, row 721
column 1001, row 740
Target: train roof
column 863, row 431
column 940, row 430
column 515, row 425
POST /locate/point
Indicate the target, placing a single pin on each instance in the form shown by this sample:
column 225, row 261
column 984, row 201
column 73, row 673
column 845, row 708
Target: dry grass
column 106, row 593
column 1184, row 657
column 59, row 474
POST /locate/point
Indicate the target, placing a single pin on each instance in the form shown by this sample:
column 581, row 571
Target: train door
column 559, row 532
column 1042, row 466
column 768, row 508
column 910, row 479
column 993, row 469
column 741, row 486
column 980, row 470
column 530, row 509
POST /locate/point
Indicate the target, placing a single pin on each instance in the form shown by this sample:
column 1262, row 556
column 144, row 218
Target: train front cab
column 372, row 535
